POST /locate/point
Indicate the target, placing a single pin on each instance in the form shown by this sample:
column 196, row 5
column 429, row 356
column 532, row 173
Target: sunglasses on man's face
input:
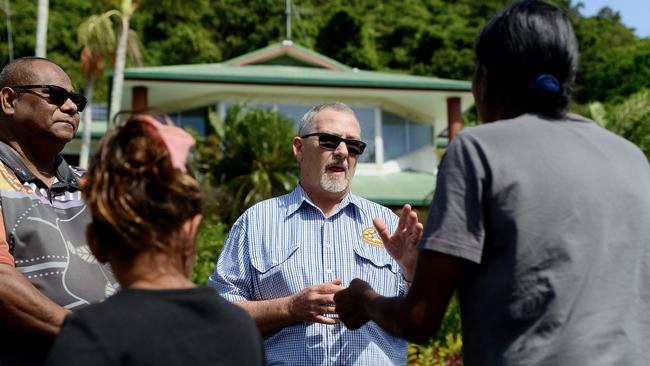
column 56, row 95
column 330, row 142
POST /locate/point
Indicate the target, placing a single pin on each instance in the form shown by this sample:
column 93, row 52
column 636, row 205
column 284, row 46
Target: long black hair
column 531, row 56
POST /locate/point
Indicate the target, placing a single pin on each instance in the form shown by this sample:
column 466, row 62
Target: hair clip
column 177, row 141
column 545, row 84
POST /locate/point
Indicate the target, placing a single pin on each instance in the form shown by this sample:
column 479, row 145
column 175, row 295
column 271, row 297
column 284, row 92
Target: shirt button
column 328, row 246
column 329, row 271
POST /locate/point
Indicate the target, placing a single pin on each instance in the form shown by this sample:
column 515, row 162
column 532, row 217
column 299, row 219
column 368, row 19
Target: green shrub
column 208, row 246
column 446, row 347
column 629, row 119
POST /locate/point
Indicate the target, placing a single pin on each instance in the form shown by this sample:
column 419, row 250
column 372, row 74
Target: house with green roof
column 400, row 115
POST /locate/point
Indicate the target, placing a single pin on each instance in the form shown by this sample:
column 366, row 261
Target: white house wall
column 420, row 105
column 422, row 160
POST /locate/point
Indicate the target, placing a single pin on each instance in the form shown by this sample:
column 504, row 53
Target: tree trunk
column 10, row 38
column 118, row 69
column 87, row 124
column 41, row 28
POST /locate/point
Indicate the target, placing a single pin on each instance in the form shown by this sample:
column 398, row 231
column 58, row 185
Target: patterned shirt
column 283, row 245
column 45, row 240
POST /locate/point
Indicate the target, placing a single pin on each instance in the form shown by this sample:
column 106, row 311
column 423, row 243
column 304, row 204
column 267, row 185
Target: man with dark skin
column 43, row 261
column 539, row 220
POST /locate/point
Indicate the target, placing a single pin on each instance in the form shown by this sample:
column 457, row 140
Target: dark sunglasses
column 58, row 95
column 330, row 142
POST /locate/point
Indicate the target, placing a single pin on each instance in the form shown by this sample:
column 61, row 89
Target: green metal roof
column 396, row 189
column 291, row 75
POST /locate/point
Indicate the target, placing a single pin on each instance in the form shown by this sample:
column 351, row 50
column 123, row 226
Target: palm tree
column 97, row 38
column 41, row 28
column 127, row 9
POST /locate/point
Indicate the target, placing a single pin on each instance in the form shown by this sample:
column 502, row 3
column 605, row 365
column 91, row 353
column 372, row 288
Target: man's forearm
column 269, row 315
column 24, row 307
column 401, row 319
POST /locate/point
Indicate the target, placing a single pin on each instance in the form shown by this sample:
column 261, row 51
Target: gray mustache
column 342, row 164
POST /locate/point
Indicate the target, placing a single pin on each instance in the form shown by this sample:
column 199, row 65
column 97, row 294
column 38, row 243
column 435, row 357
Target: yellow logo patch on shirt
column 371, row 236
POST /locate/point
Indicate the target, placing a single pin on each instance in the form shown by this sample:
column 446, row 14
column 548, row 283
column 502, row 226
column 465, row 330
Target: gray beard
column 334, row 184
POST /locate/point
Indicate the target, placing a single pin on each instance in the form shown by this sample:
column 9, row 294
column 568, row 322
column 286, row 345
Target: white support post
column 379, row 139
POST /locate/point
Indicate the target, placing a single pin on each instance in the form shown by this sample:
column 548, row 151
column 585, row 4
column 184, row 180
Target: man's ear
column 95, row 248
column 297, row 148
column 8, row 100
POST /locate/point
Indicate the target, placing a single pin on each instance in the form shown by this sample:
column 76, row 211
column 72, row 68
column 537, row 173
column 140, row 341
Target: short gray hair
column 308, row 121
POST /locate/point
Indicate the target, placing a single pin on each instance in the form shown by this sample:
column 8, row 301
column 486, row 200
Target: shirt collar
column 12, row 160
column 298, row 197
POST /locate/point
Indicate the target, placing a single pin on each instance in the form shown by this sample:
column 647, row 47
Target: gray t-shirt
column 556, row 216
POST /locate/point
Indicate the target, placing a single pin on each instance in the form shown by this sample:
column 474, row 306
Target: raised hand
column 312, row 303
column 402, row 244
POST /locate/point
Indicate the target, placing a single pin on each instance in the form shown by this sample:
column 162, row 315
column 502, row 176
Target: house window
column 402, row 136
column 366, row 117
column 394, row 134
column 293, row 111
column 195, row 119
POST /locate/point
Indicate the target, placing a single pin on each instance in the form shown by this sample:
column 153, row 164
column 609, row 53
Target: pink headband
column 177, row 140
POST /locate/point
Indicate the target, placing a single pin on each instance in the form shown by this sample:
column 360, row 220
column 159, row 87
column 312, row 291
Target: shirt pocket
column 376, row 255
column 375, row 266
column 265, row 260
column 274, row 275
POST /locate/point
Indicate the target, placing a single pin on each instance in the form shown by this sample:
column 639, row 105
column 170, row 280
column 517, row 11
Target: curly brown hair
column 137, row 199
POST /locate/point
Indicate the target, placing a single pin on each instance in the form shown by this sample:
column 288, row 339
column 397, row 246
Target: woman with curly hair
column 146, row 210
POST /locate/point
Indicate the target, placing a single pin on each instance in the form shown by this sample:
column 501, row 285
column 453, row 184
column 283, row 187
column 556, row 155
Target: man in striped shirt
column 286, row 257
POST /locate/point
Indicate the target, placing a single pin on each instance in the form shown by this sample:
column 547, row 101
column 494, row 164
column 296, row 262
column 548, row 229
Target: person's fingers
column 413, row 219
column 325, row 299
column 415, row 234
column 325, row 320
column 382, row 229
column 406, row 209
column 328, row 309
column 329, row 288
column 419, row 229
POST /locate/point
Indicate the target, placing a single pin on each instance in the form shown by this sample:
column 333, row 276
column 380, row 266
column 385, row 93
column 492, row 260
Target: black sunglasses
column 58, row 95
column 330, row 142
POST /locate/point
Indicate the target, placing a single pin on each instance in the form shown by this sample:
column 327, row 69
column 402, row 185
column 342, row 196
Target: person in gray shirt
column 540, row 219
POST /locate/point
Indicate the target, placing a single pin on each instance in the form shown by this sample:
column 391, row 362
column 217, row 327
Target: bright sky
column 634, row 13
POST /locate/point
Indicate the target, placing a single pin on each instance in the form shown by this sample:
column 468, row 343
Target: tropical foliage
column 445, row 348
column 209, row 242
column 630, row 118
column 248, row 158
column 427, row 37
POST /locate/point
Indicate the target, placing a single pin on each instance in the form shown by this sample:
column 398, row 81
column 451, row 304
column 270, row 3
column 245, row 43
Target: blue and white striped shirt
column 282, row 245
